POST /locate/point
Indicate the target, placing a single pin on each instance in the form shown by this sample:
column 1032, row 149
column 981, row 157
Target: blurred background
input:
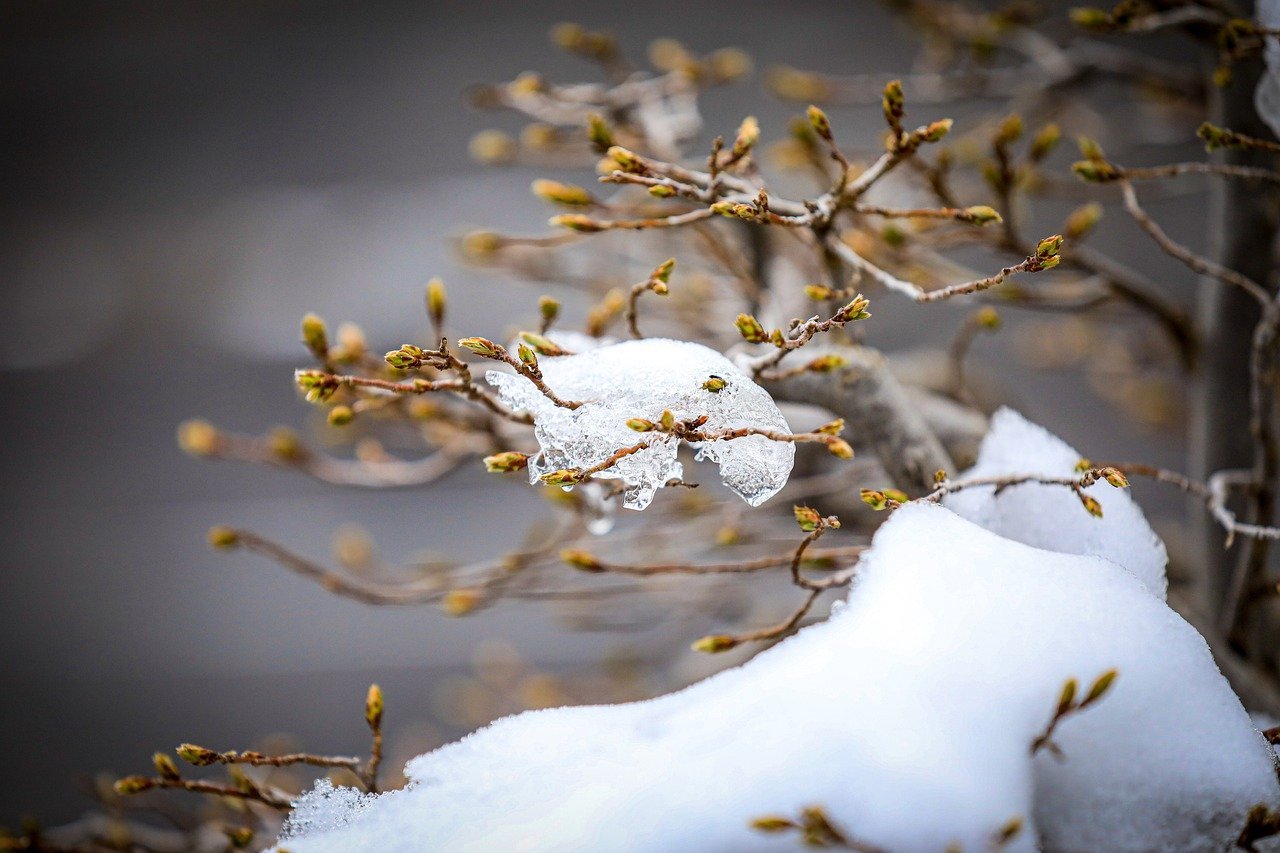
column 185, row 181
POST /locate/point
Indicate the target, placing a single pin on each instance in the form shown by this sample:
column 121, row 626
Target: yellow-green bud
column 239, row 836
column 1091, row 504
column 839, row 448
column 505, row 462
column 831, row 427
column 893, row 104
column 460, row 602
column 549, row 309
column 750, row 329
column 875, row 499
column 661, row 191
column 598, row 133
column 1090, row 149
column 556, row 192
column 576, row 222
column 492, row 146
column 819, row 122
column 826, row 363
column 436, row 302
column 748, row 135
column 1082, row 220
column 527, row 355
column 936, row 130
column 1044, row 141
column 714, row 384
column 197, row 755
column 982, row 214
column 542, row 345
column 341, row 415
column 818, row 292
column 1100, row 687
column 1009, row 131
column 987, row 318
column 662, row 272
column 1095, row 171
column 1092, row 19
column 641, row 424
column 667, row 421
column 221, row 536
column 1115, row 477
column 198, row 438
column 627, row 160
column 714, row 643
column 315, row 335
column 1049, row 246
column 481, row 346
column 807, row 517
column 373, row 707
column 133, row 785
column 165, row 767
column 562, row 477
column 582, row 560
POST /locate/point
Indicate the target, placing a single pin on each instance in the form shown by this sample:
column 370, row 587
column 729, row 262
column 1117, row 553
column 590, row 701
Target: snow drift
column 908, row 716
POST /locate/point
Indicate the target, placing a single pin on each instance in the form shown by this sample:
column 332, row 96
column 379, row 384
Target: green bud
column 341, row 416
column 373, row 707
column 560, row 193
column 505, row 462
column 481, row 346
column 714, row 643
column 542, row 345
column 563, row 477
column 807, row 517
column 982, row 214
column 819, row 122
column 662, row 272
column 223, row 537
column 315, row 335
column 197, row 755
column 598, row 133
column 714, row 384
column 750, row 329
column 1082, row 220
column 133, row 785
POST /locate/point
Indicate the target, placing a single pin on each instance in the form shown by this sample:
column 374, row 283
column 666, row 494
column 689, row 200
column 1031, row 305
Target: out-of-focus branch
column 877, row 410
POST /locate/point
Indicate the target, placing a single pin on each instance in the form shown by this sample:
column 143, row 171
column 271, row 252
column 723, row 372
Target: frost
column 908, row 716
column 1050, row 517
column 641, row 379
column 323, row 809
column 1266, row 97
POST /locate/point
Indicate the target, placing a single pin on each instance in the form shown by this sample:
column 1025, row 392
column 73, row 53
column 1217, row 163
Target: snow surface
column 908, row 716
column 641, row 379
column 1051, row 517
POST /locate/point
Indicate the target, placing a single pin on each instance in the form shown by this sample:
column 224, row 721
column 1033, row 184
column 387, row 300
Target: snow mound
column 908, row 716
column 641, row 379
column 1051, row 517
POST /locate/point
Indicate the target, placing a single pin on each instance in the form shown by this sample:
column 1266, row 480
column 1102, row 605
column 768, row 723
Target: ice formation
column 908, row 716
column 1051, row 517
column 641, row 379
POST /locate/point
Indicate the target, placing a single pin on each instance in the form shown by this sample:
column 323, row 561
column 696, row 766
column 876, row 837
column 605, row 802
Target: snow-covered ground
column 909, row 716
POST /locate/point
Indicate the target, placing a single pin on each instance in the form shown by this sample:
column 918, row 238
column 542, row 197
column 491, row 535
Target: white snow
column 1051, row 517
column 908, row 716
column 1266, row 98
column 641, row 379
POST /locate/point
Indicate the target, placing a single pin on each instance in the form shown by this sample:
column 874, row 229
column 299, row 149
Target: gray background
column 183, row 181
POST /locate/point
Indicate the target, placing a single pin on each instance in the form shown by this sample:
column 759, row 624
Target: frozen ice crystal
column 641, row 379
